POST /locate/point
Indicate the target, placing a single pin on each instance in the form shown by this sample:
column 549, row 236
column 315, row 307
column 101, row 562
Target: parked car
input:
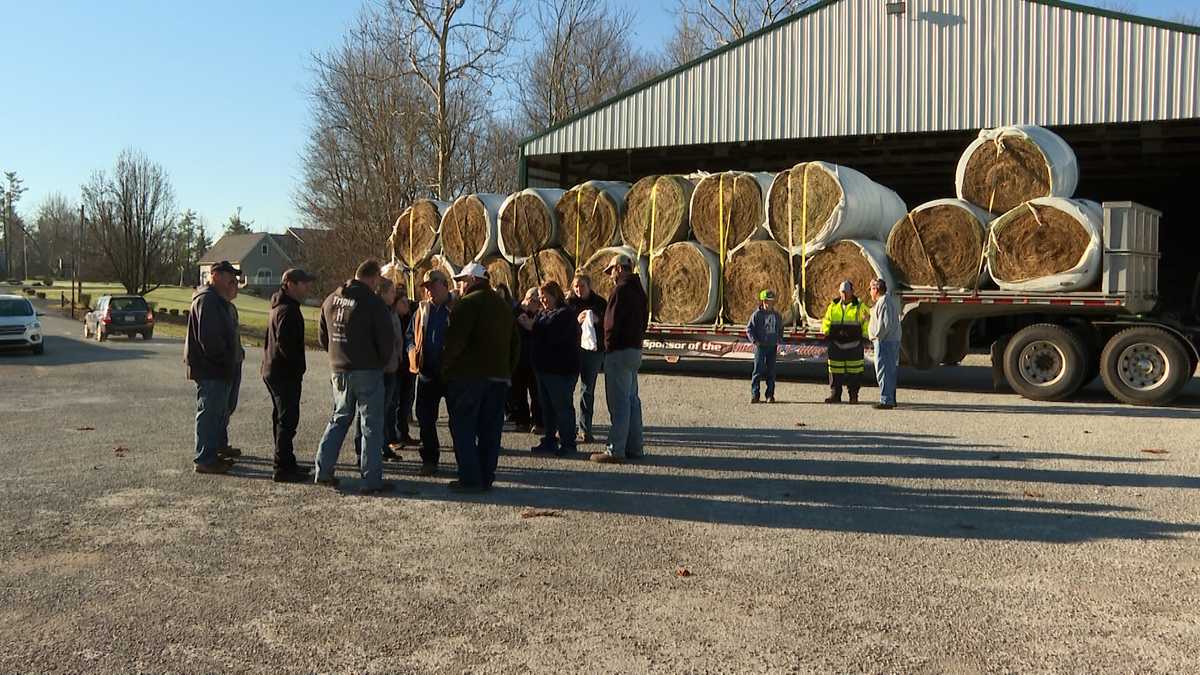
column 19, row 325
column 128, row 314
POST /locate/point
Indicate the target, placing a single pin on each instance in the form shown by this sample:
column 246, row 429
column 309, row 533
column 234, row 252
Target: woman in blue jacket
column 556, row 362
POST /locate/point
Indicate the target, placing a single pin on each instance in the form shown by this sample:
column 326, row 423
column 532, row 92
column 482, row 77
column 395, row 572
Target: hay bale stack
column 548, row 265
column 684, row 279
column 602, row 285
column 415, row 233
column 501, row 272
column 469, row 228
column 860, row 261
column 528, row 223
column 1046, row 245
column 733, row 201
column 939, row 244
column 753, row 267
column 840, row 203
column 1008, row 166
column 672, row 197
column 589, row 217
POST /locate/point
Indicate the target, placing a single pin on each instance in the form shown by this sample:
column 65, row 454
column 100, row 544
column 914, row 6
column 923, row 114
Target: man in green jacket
column 481, row 353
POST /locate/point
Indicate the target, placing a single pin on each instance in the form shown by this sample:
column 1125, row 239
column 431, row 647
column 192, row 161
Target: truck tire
column 1145, row 366
column 1045, row 362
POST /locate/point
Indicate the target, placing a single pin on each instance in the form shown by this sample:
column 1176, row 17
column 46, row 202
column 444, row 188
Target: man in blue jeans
column 884, row 331
column 211, row 352
column 624, row 328
column 423, row 343
column 356, row 330
column 481, row 353
column 764, row 331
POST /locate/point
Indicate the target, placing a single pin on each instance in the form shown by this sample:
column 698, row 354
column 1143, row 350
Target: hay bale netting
column 469, row 228
column 415, row 233
column 528, row 223
column 672, row 197
column 734, row 201
column 1007, row 166
column 841, row 203
column 684, row 281
column 1046, row 245
column 500, row 271
column 602, row 285
column 589, row 217
column 860, row 261
column 939, row 244
column 548, row 265
column 755, row 266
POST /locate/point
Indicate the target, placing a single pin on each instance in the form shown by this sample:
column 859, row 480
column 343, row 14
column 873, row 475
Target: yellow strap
column 412, row 275
column 650, row 264
column 578, row 206
column 796, row 300
column 804, row 233
column 721, row 244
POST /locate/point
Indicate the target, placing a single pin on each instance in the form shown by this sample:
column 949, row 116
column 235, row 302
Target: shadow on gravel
column 61, row 351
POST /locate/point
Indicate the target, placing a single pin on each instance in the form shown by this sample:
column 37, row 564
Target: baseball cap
column 619, row 260
column 846, row 286
column 472, row 269
column 434, row 276
column 766, row 295
column 297, row 276
column 223, row 266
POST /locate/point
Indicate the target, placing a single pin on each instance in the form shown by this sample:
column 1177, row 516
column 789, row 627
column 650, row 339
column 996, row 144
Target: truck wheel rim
column 1143, row 366
column 1042, row 363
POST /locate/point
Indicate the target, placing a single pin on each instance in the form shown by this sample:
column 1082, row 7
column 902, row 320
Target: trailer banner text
column 698, row 345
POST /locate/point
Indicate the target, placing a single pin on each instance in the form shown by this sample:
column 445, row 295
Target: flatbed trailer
column 1053, row 344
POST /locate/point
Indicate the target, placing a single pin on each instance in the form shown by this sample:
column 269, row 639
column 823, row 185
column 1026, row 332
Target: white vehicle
column 19, row 324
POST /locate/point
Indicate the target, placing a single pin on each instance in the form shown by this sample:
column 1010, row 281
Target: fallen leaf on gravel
column 682, row 571
column 1155, row 451
column 540, row 513
column 1024, row 435
column 801, row 424
column 85, row 428
column 120, row 450
column 1086, row 431
column 1034, row 495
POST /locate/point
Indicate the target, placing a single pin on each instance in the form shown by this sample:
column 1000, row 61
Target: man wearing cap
column 845, row 329
column 884, row 331
column 283, row 369
column 423, row 342
column 211, row 351
column 356, row 330
column 764, row 331
column 481, row 353
column 625, row 321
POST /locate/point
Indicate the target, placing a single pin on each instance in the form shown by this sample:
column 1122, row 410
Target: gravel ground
column 965, row 532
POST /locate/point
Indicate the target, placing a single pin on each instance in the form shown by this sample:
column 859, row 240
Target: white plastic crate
column 1131, row 254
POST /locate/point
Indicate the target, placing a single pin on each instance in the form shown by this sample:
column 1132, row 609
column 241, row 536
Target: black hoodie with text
column 356, row 329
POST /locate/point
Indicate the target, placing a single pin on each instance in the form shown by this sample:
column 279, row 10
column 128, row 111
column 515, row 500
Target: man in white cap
column 845, row 329
column 625, row 321
column 481, row 353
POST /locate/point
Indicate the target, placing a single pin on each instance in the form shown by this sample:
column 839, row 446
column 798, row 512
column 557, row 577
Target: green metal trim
column 522, row 168
column 1057, row 4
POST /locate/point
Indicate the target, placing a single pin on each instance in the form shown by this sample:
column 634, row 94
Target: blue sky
column 213, row 91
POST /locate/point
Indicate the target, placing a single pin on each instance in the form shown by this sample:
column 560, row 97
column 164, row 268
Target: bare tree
column 131, row 215
column 1189, row 17
column 57, row 224
column 708, row 24
column 687, row 44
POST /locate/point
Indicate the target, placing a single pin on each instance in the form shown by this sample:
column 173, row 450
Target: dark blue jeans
column 764, row 369
column 558, row 411
column 212, row 416
column 591, row 363
column 476, row 422
column 430, row 392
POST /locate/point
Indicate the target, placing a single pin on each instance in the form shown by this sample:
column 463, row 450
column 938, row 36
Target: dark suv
column 128, row 314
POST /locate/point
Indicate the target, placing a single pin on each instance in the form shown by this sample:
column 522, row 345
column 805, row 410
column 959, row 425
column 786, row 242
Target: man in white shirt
column 884, row 331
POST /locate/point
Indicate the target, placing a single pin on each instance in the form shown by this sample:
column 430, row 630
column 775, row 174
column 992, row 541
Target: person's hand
column 582, row 317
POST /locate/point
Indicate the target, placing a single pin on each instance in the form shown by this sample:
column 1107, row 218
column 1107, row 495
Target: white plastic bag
column 588, row 339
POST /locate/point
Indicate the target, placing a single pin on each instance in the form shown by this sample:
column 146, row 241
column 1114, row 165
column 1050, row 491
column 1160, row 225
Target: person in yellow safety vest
column 845, row 328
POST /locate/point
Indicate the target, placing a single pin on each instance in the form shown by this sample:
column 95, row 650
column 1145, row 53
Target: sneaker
column 770, row 399
column 833, row 399
column 229, row 452
column 332, row 481
column 459, row 487
column 884, row 406
column 377, row 489
column 428, row 470
column 290, row 476
column 604, row 458
column 389, row 455
column 395, row 446
column 214, row 467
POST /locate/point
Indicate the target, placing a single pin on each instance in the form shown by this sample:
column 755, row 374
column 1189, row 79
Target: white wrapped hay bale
column 940, row 245
column 528, row 223
column 469, row 228
column 1008, row 166
column 839, row 202
column 1047, row 245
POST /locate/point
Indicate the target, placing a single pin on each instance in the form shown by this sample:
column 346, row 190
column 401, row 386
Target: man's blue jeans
column 624, row 405
column 764, row 369
column 887, row 365
column 476, row 421
column 591, row 364
column 558, row 411
column 389, row 416
column 235, row 387
column 356, row 393
column 212, row 405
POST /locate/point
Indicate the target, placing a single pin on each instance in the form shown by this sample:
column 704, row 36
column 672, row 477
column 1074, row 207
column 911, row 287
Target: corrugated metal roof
column 846, row 68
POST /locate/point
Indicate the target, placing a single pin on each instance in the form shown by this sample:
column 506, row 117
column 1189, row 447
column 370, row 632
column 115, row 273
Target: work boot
column 215, row 467
column 229, row 452
column 834, row 399
column 461, row 488
column 753, row 400
column 884, row 406
column 332, row 481
column 389, row 455
column 604, row 458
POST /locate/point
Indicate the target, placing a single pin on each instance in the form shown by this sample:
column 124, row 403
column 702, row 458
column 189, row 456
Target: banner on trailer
column 728, row 347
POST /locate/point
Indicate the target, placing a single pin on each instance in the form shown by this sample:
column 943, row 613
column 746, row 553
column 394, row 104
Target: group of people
column 471, row 347
column 847, row 325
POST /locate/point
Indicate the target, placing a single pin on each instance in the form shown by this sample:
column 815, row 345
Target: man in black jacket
column 211, row 352
column 624, row 327
column 283, row 369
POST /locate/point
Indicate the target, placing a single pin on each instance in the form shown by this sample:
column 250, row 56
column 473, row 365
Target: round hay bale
column 840, row 203
column 548, row 265
column 469, row 228
column 415, row 233
column 501, row 272
column 683, row 284
column 589, row 217
column 1046, row 245
column 939, row 244
column 672, row 197
column 732, row 201
column 756, row 266
column 432, row 262
column 859, row 261
column 1007, row 166
column 602, row 285
column 528, row 223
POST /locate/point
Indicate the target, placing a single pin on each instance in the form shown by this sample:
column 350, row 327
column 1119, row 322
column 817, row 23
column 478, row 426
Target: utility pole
column 75, row 261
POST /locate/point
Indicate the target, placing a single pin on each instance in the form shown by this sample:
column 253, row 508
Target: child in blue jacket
column 765, row 330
